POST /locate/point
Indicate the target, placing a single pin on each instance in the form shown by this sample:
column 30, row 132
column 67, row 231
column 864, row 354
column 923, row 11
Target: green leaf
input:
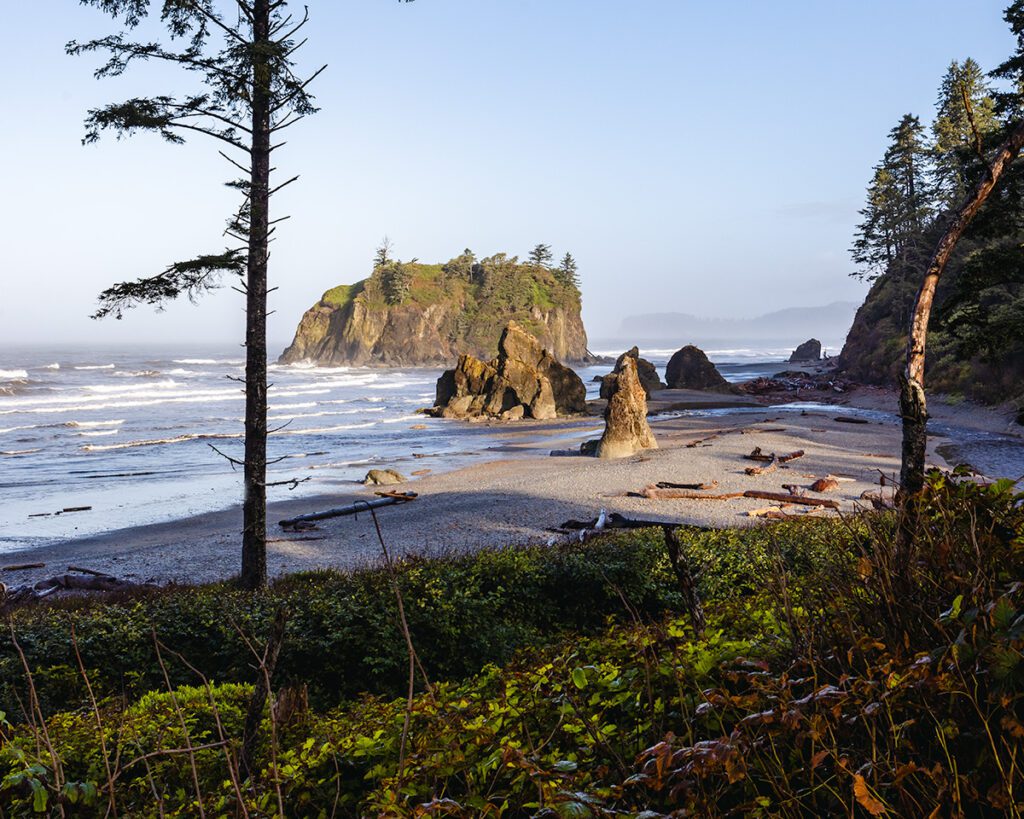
column 579, row 678
column 39, row 796
column 953, row 612
column 565, row 766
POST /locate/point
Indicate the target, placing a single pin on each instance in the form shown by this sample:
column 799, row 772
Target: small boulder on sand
column 808, row 352
column 645, row 370
column 626, row 429
column 383, row 477
column 690, row 369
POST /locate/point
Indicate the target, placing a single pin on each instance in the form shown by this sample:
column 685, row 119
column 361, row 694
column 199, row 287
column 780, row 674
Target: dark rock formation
column 690, row 369
column 646, row 372
column 810, row 350
column 524, row 380
column 626, row 430
column 439, row 312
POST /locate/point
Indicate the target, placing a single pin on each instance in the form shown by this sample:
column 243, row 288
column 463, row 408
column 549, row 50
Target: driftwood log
column 76, row 579
column 387, row 499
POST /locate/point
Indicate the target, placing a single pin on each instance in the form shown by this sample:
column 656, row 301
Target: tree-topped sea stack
column 524, row 381
column 414, row 314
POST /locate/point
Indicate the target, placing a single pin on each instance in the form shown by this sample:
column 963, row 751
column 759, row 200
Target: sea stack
column 808, row 352
column 524, row 381
column 645, row 370
column 626, row 430
column 690, row 369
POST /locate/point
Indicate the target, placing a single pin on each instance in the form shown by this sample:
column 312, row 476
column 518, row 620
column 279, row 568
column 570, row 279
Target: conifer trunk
column 913, row 402
column 254, row 508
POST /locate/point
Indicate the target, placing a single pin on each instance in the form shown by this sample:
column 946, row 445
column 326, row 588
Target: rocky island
column 415, row 314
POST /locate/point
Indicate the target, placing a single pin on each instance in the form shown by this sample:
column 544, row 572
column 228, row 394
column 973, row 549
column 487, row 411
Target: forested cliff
column 415, row 314
column 976, row 340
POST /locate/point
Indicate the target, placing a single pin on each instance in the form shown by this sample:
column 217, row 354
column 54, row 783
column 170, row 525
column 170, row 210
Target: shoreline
column 520, row 495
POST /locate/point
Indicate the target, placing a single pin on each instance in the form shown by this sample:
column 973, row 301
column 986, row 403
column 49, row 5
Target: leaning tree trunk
column 254, row 508
column 913, row 403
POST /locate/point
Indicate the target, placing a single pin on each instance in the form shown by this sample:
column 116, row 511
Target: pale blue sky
column 704, row 157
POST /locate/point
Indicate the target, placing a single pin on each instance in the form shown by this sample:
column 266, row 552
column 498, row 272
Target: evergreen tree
column 566, row 272
column 541, row 256
column 395, row 281
column 898, row 207
column 874, row 247
column 965, row 118
column 383, row 254
column 243, row 60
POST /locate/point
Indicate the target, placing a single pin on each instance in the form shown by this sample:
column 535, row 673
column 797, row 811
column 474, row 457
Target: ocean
column 131, row 433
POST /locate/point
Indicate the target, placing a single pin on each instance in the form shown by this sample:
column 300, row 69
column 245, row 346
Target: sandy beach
column 524, row 493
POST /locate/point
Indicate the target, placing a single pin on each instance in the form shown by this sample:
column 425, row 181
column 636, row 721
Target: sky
column 701, row 157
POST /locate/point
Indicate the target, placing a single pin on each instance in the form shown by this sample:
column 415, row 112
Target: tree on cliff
column 566, row 272
column 541, row 255
column 965, row 119
column 898, row 206
column 383, row 254
column 250, row 92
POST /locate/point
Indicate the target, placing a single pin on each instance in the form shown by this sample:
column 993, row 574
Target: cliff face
column 876, row 345
column 411, row 314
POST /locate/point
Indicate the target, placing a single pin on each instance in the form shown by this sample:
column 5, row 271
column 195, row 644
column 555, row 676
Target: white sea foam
column 177, row 439
column 318, row 430
column 15, row 452
column 53, row 366
column 403, row 418
column 302, row 405
column 12, row 375
column 97, row 433
column 95, row 367
column 114, row 423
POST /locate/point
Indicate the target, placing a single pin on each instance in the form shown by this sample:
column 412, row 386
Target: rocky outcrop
column 646, row 372
column 626, row 430
column 809, row 351
column 690, row 369
column 438, row 312
column 523, row 381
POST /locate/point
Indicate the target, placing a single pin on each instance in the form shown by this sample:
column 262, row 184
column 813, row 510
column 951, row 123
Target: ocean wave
column 177, row 439
column 32, row 407
column 233, row 361
column 97, row 433
column 53, row 366
column 303, row 405
column 95, row 367
column 337, row 464
column 403, row 418
column 4, row 430
column 132, row 389
column 138, row 374
column 318, row 430
column 12, row 375
column 14, row 453
column 308, row 367
column 114, row 423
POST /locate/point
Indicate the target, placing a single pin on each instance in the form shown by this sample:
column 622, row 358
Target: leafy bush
column 343, row 635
